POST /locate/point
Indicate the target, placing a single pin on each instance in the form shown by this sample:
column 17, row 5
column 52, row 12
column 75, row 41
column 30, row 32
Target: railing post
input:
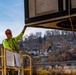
column 4, row 62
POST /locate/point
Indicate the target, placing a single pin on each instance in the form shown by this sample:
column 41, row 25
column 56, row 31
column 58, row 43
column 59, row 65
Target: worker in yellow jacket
column 10, row 43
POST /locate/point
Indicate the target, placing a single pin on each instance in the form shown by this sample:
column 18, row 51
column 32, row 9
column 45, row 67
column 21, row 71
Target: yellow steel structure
column 22, row 69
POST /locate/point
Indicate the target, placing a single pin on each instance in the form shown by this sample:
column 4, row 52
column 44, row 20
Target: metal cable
column 70, row 19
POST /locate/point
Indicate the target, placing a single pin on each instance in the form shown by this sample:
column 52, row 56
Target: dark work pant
column 15, row 73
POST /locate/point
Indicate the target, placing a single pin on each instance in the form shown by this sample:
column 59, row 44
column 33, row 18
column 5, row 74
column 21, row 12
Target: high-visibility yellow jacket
column 11, row 44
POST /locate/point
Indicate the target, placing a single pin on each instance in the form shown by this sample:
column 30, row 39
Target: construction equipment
column 13, row 62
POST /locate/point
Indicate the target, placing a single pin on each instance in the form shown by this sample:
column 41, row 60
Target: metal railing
column 10, row 60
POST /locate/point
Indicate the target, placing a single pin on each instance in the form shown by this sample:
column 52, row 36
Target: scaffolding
column 14, row 62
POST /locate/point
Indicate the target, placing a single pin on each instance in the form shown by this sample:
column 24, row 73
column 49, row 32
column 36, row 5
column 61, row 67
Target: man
column 10, row 43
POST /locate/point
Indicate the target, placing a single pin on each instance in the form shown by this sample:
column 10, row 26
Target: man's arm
column 21, row 34
column 24, row 29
